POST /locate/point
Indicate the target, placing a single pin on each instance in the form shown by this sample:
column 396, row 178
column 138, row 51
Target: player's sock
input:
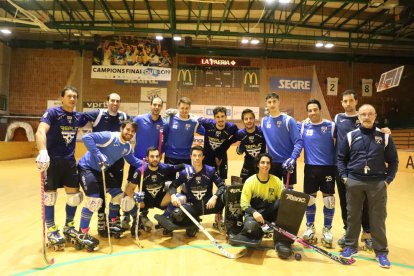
column 86, row 216
column 133, row 212
column 70, row 213
column 328, row 216
column 50, row 216
column 113, row 211
column 310, row 214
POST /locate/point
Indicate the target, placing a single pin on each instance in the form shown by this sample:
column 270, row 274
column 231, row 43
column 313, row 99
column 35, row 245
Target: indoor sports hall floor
column 20, row 237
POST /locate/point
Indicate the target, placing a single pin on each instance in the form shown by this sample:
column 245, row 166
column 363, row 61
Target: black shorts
column 154, row 202
column 319, row 178
column 278, row 171
column 249, row 168
column 174, row 161
column 90, row 180
column 222, row 170
column 115, row 174
column 61, row 173
column 131, row 172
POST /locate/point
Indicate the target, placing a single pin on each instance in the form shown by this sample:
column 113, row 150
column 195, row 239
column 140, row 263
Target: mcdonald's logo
column 252, row 76
column 185, row 74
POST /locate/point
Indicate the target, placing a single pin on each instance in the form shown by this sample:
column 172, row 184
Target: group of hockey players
column 187, row 176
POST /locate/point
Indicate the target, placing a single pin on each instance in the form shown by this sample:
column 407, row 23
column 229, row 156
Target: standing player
column 154, row 188
column 150, row 129
column 56, row 140
column 181, row 130
column 104, row 149
column 198, row 180
column 109, row 120
column 282, row 139
column 319, row 147
column 218, row 138
column 252, row 143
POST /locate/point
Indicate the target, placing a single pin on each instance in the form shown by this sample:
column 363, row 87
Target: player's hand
column 43, row 160
column 171, row 111
column 218, row 162
column 258, row 217
column 175, row 201
column 139, row 197
column 289, row 164
column 345, row 180
column 102, row 161
column 211, row 202
column 386, row 130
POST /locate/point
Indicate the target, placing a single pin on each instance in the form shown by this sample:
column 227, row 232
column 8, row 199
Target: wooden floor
column 20, row 237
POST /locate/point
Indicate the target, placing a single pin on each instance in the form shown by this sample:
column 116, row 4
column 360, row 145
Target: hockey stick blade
column 314, row 247
column 212, row 239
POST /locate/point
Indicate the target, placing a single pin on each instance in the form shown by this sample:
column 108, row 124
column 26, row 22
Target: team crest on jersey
column 268, row 125
column 187, row 126
column 175, row 126
column 198, row 192
column 153, row 178
column 153, row 190
column 271, row 191
column 214, row 145
column 279, row 124
column 68, row 136
column 124, row 151
column 69, row 118
column 324, row 129
column 135, row 175
column 309, row 132
column 378, row 139
column 218, row 133
column 158, row 127
column 251, row 139
column 328, row 178
column 253, row 152
column 198, row 180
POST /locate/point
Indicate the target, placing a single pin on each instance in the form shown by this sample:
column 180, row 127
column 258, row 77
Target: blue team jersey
column 282, row 137
column 318, row 143
column 107, row 143
column 252, row 144
column 344, row 124
column 181, row 136
column 217, row 142
column 199, row 186
column 148, row 134
column 103, row 121
column 61, row 137
column 154, row 181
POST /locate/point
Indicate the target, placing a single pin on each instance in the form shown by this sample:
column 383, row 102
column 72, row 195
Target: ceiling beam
column 171, row 12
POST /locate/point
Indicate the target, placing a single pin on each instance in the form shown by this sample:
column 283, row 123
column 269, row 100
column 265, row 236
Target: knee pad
column 117, row 199
column 93, row 203
column 312, row 199
column 127, row 203
column 50, row 198
column 75, row 199
column 178, row 215
column 329, row 201
column 182, row 198
column 251, row 226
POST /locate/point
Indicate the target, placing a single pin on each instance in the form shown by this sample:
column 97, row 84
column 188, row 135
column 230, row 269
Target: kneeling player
column 198, row 182
column 153, row 193
column 260, row 202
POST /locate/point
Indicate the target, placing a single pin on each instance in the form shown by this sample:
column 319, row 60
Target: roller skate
column 191, row 231
column 309, row 234
column 125, row 223
column 71, row 235
column 115, row 228
column 267, row 231
column 327, row 237
column 55, row 240
column 145, row 223
column 85, row 240
column 102, row 229
column 283, row 250
column 367, row 240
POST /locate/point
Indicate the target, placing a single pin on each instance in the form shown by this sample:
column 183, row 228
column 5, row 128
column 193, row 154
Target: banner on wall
column 129, row 108
column 208, row 111
column 251, row 80
column 197, row 110
column 131, row 58
column 144, row 108
column 290, row 84
column 332, row 86
column 147, row 93
column 366, row 87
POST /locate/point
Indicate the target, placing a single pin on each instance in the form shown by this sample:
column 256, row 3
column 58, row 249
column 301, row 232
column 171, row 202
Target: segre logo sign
column 295, row 85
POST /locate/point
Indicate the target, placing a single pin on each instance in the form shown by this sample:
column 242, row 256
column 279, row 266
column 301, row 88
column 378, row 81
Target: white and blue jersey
column 181, row 136
column 148, row 134
column 109, row 144
column 251, row 144
column 61, row 137
column 282, row 137
column 318, row 143
column 343, row 125
column 103, row 121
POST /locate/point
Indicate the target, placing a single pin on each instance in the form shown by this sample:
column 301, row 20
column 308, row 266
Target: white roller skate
column 309, row 234
column 327, row 237
column 55, row 240
column 367, row 240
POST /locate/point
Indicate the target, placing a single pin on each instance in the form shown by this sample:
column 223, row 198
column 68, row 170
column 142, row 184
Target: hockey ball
column 298, row 257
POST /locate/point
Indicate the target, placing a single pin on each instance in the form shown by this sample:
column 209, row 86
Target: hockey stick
column 42, row 194
column 211, row 238
column 160, row 142
column 139, row 204
column 314, row 247
column 106, row 206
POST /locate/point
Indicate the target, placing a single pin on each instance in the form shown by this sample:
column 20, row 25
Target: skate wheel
column 78, row 246
column 89, row 249
column 298, row 256
column 158, row 226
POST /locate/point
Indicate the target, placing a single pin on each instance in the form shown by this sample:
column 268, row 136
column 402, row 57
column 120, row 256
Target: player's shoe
column 145, row 222
column 309, row 234
column 283, row 250
column 115, row 228
column 125, row 222
column 86, row 240
column 191, row 231
column 383, row 260
column 102, row 230
column 54, row 238
column 348, row 252
column 327, row 237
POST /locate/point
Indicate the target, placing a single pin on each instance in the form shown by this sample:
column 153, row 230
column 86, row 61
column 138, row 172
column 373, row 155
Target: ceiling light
column 159, row 37
column 254, row 41
column 5, row 31
column 269, row 1
column 329, row 45
column 375, row 3
column 177, row 38
column 319, row 44
column 244, row 41
column 284, row 1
